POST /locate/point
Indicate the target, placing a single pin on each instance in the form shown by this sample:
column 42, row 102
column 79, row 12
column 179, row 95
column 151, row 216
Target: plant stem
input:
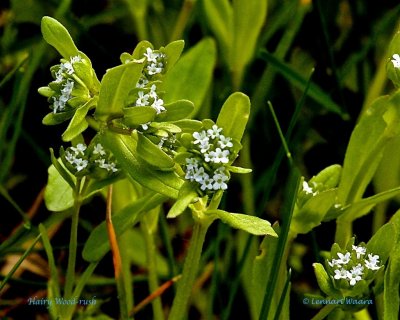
column 190, row 268
column 323, row 313
column 119, row 275
column 344, row 230
column 73, row 242
column 148, row 234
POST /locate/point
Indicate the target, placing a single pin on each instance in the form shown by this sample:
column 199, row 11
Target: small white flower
column 151, row 55
column 360, row 251
column 80, row 164
column 75, row 59
column 158, row 105
column 219, row 156
column 200, row 137
column 396, row 61
column 145, row 126
column 154, row 69
column 340, row 274
column 98, row 149
column 142, row 82
column 357, row 270
column 307, row 189
column 343, row 258
column 153, row 92
column 207, row 183
column 79, row 149
column 67, row 67
column 200, row 175
column 225, row 142
column 219, row 181
column 333, row 263
column 372, row 262
column 353, row 277
column 143, row 99
column 192, row 163
column 214, row 132
column 105, row 165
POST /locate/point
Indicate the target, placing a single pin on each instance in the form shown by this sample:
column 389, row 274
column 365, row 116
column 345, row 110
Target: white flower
column 219, row 156
column 109, row 166
column 151, row 55
column 192, row 163
column 372, row 262
column 98, row 149
column 358, row 269
column 75, row 59
column 333, row 263
column 340, row 274
column 153, row 93
column 214, row 132
column 154, row 68
column 200, row 175
column 79, row 149
column 225, row 142
column 80, row 164
column 143, row 99
column 343, row 258
column 307, row 189
column 200, row 137
column 158, row 105
column 219, row 181
column 353, row 277
column 359, row 250
column 396, row 61
column 207, row 183
column 145, row 126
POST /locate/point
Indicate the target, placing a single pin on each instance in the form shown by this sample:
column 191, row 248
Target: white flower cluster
column 150, row 99
column 352, row 266
column 308, row 189
column 67, row 84
column 155, row 62
column 77, row 157
column 209, row 170
column 396, row 60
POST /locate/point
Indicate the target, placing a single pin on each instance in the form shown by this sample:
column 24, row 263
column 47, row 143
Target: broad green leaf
column 310, row 215
column 187, row 194
column 327, row 178
column 383, row 241
column 137, row 115
column 188, row 125
column 153, row 154
column 78, row 123
column 97, row 245
column 58, row 36
column 248, row 19
column 173, row 51
column 234, row 115
column 391, row 298
column 219, row 15
column 124, row 149
column 52, row 118
column 191, row 77
column 176, row 110
column 58, row 195
column 324, row 281
column 365, row 149
column 114, row 90
column 250, row 224
column 68, row 177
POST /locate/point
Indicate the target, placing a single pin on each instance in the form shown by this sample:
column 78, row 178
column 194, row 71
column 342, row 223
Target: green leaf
column 391, row 298
column 186, row 196
column 191, row 77
column 219, row 16
column 250, row 224
column 124, row 149
column 324, row 281
column 383, row 241
column 78, row 123
column 394, row 48
column 58, row 195
column 173, row 51
column 311, row 214
column 188, row 125
column 138, row 115
column 114, row 90
column 58, row 36
column 176, row 111
column 97, row 245
column 234, row 115
column 248, row 19
column 52, row 119
column 369, row 138
column 239, row 169
column 153, row 154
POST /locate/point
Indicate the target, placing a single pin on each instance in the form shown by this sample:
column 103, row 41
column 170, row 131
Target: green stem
column 190, row 268
column 152, row 269
column 73, row 242
column 183, row 18
column 323, row 313
column 344, row 231
column 362, row 315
